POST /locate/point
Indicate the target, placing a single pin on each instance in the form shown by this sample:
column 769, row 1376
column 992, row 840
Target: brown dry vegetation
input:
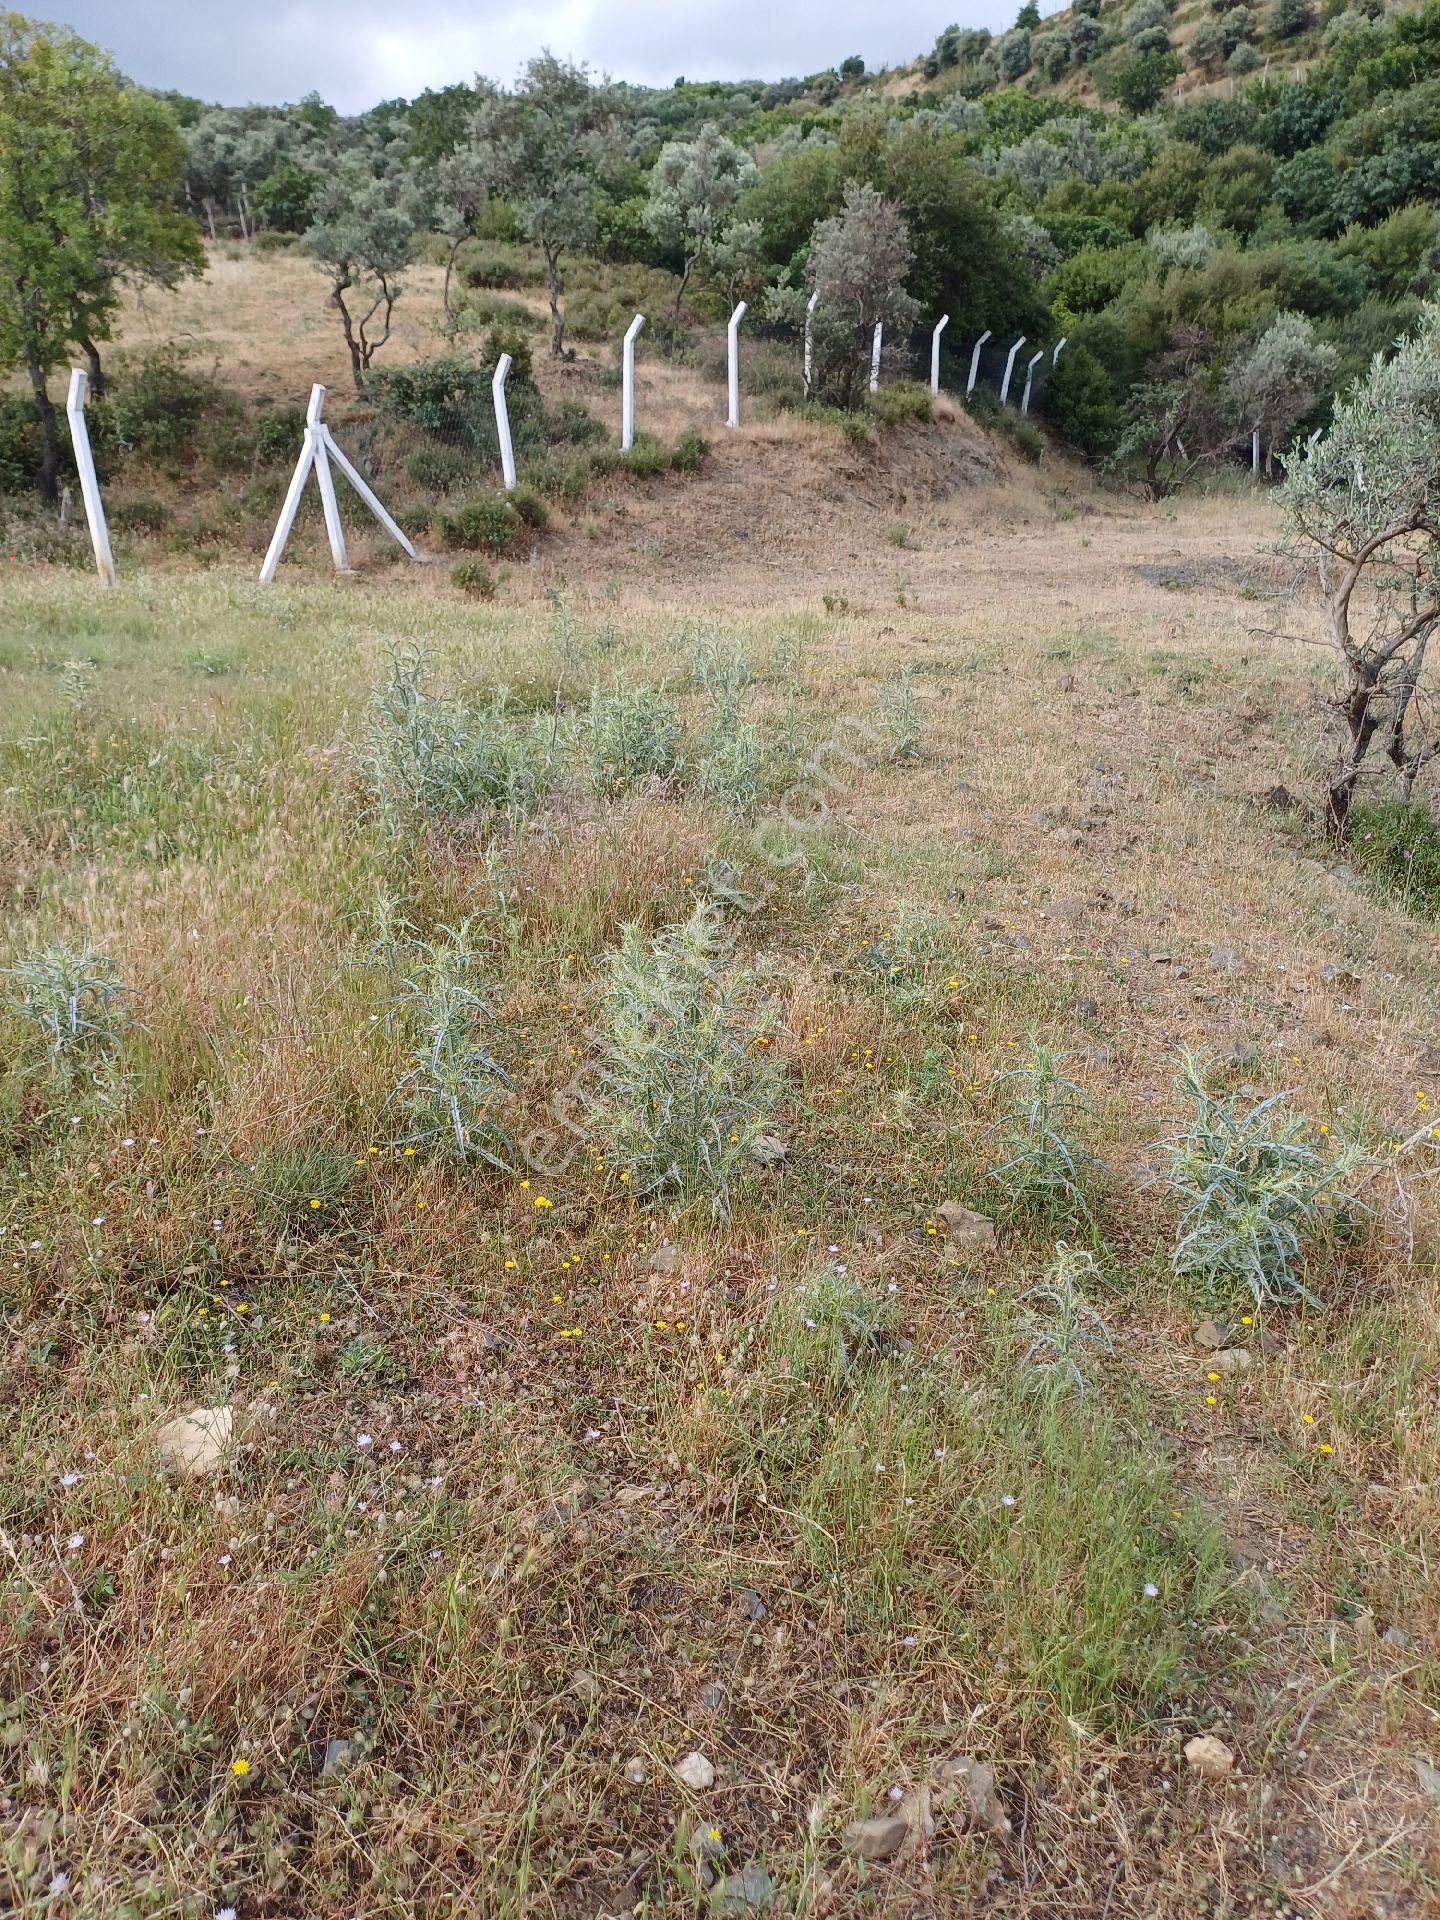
column 503, row 1481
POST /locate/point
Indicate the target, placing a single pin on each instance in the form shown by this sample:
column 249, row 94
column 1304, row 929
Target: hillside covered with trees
column 1223, row 214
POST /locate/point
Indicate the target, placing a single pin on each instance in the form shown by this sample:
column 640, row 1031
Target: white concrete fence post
column 1029, row 376
column 627, row 394
column 875, row 356
column 810, row 342
column 1058, row 345
column 89, row 483
column 317, row 450
column 1255, row 451
column 940, row 327
column 1009, row 369
column 732, row 338
column 502, row 421
column 975, row 363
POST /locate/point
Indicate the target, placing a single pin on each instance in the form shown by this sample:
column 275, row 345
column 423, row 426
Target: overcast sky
column 355, row 52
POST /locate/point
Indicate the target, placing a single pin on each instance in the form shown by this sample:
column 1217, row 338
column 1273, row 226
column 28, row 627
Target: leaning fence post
column 502, row 421
column 875, row 356
column 89, row 484
column 940, row 327
column 627, row 394
column 1009, row 369
column 975, row 363
column 292, row 496
column 1029, row 376
column 1255, row 451
column 810, row 341
column 326, row 481
column 732, row 332
column 1058, row 345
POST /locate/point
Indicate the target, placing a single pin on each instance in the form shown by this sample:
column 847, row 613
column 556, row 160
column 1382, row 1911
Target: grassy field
column 609, row 1366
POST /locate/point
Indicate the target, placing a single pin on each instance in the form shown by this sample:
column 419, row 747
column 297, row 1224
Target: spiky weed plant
column 1065, row 1329
column 454, row 1084
column 1043, row 1171
column 74, row 1007
column 900, row 717
column 426, row 755
column 635, row 734
column 686, row 1086
column 1255, row 1192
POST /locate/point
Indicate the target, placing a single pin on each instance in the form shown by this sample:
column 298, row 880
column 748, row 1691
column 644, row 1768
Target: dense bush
column 487, row 521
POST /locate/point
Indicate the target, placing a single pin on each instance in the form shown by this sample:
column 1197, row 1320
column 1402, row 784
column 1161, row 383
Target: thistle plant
column 635, row 734
column 454, row 1084
column 73, row 1004
column 900, row 717
column 1065, row 1328
column 732, row 753
column 1042, row 1172
column 1255, row 1190
column 849, row 1321
column 426, row 755
column 687, row 1085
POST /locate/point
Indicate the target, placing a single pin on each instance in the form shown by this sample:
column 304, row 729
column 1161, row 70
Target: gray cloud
column 362, row 51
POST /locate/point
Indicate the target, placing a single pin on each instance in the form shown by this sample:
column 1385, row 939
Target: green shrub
column 474, row 577
column 690, row 451
column 731, row 754
column 139, row 516
column 1397, row 843
column 1029, row 441
column 419, row 519
column 156, row 409
column 560, row 479
column 646, row 457
column 439, row 468
column 278, row 435
column 295, row 1188
column 573, row 424
column 687, row 1091
column 635, row 734
column 904, row 400
column 483, row 522
column 1064, row 1328
column 1256, row 1191
column 528, row 504
column 498, row 266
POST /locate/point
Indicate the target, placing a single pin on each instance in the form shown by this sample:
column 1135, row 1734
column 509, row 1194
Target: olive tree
column 693, row 191
column 543, row 143
column 859, row 259
column 1365, row 503
column 1281, row 376
column 363, row 239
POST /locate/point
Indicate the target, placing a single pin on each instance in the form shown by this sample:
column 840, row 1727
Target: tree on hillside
column 1179, row 417
column 90, row 169
column 693, row 192
column 1281, row 376
column 544, row 142
column 363, row 239
column 1366, row 503
column 858, row 262
column 463, row 182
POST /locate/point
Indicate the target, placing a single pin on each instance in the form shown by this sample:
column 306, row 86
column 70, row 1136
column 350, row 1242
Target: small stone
column 1209, row 1757
column 749, row 1891
column 1066, row 683
column 1338, row 976
column 585, row 1684
column 1428, row 1776
column 193, row 1444
column 1225, row 960
column 636, row 1771
column 769, row 1149
column 712, row 1697
column 960, row 1224
column 1397, row 1637
column 695, row 1772
column 707, row 1842
column 665, row 1259
column 752, row 1606
column 967, row 1789
column 1231, row 1360
column 1279, row 799
column 1211, row 1334
column 341, row 1757
column 877, row 1839
column 1087, row 1009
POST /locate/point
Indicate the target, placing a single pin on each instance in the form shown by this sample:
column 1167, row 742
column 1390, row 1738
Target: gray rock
column 707, row 1842
column 1212, row 1334
column 877, row 1839
column 749, row 1891
column 1225, row 960
column 194, row 1444
column 636, row 1771
column 695, row 1772
column 752, row 1606
column 967, row 1791
column 665, row 1259
column 961, row 1225
column 1209, row 1757
column 341, row 1757
column 1231, row 1360
column 769, row 1149
column 712, row 1697
column 1397, row 1637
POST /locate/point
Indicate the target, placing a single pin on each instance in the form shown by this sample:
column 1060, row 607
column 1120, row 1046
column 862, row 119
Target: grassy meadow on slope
column 545, row 1476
